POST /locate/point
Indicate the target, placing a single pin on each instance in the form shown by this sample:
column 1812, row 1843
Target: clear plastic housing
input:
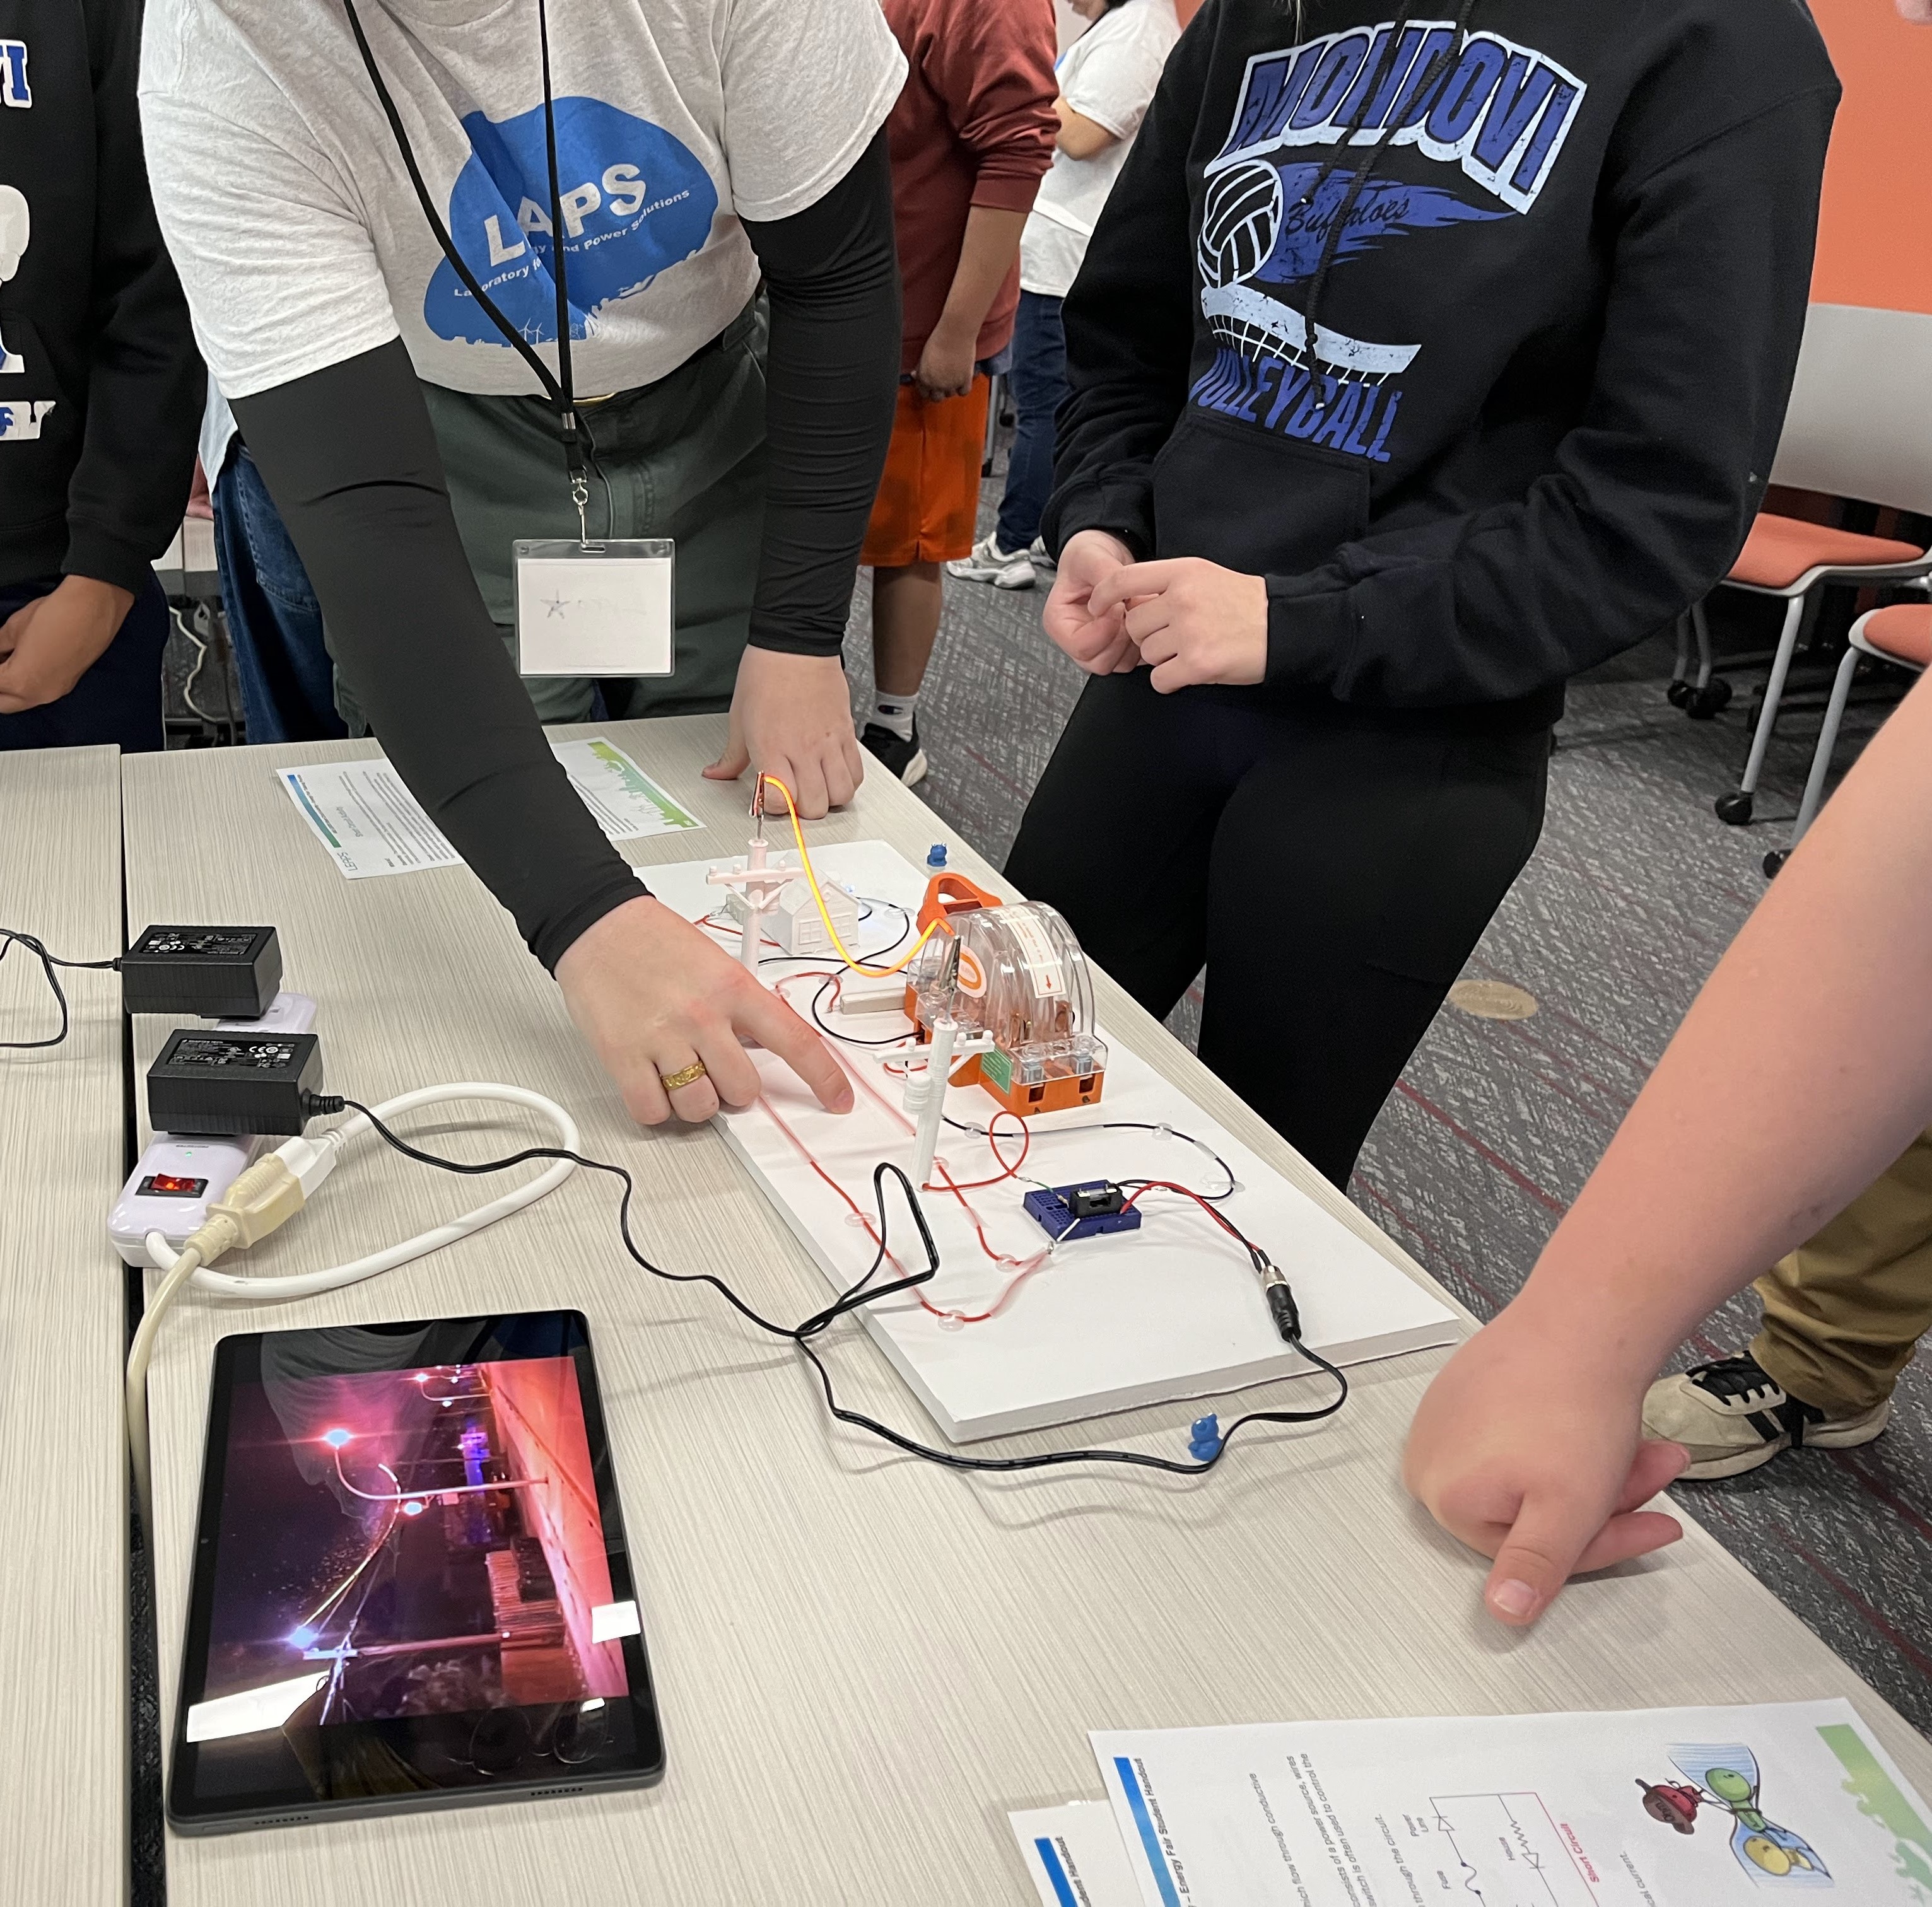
column 1015, row 972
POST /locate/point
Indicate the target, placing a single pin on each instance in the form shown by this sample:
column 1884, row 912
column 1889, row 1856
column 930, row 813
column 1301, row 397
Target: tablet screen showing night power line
column 411, row 1587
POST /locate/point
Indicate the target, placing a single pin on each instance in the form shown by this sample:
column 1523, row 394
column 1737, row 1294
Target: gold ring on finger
column 684, row 1076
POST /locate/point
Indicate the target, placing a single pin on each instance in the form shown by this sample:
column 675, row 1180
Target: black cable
column 591, row 457
column 561, row 395
column 1439, row 64
column 13, row 937
column 847, row 1039
column 832, row 980
column 850, row 1298
column 1122, row 1125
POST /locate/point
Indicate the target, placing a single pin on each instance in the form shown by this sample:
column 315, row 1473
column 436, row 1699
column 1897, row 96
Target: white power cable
column 294, row 1171
column 138, row 1354
column 304, row 1284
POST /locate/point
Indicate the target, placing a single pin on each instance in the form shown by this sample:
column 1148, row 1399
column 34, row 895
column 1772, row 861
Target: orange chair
column 1859, row 426
column 1901, row 634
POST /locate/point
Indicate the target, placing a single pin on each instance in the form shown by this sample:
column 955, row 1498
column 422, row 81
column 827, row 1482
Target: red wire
column 1012, row 1171
column 1022, row 1270
column 1212, row 1210
column 717, row 926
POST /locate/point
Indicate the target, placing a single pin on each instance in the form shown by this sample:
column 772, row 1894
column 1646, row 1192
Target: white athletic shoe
column 1005, row 569
column 1733, row 1415
column 1041, row 558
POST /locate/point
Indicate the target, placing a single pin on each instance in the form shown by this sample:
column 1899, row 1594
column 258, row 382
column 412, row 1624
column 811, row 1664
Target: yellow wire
column 851, row 959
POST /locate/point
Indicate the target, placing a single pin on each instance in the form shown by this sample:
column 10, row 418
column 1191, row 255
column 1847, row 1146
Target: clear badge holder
column 602, row 608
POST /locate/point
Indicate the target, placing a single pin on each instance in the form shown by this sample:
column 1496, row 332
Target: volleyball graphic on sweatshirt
column 1240, row 221
column 16, row 227
column 1292, row 190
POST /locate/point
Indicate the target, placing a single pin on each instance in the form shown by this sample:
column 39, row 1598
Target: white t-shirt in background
column 1108, row 75
column 299, row 239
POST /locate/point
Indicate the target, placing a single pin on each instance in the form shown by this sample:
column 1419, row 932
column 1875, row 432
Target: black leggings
column 1333, row 868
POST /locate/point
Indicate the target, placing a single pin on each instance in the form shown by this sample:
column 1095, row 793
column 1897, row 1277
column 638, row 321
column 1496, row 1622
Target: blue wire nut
column 1204, row 1438
column 935, row 856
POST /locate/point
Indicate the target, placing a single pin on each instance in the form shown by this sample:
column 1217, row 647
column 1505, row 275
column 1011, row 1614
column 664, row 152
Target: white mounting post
column 761, row 886
column 946, row 1046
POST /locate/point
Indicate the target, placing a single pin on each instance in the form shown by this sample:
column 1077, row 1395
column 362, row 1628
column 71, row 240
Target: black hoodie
column 1556, row 328
column 100, row 389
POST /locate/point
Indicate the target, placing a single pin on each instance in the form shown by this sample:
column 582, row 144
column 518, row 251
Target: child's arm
column 1802, row 1071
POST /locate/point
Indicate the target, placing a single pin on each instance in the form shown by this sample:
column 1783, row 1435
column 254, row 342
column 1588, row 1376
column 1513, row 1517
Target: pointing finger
column 777, row 1028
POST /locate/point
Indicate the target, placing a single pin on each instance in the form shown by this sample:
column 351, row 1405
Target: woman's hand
column 1191, row 620
column 652, row 994
column 1525, row 1451
column 791, row 718
column 1097, row 640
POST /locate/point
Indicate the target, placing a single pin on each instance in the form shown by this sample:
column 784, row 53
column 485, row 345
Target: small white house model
column 794, row 922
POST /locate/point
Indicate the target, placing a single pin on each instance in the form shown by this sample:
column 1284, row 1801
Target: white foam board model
column 1173, row 1310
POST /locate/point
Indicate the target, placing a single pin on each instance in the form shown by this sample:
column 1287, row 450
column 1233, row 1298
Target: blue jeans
column 288, row 692
column 118, row 700
column 1038, row 382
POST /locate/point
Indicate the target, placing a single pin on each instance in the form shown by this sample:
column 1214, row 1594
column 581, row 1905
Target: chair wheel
column 1734, row 809
column 1775, row 859
column 1703, row 703
column 1678, row 694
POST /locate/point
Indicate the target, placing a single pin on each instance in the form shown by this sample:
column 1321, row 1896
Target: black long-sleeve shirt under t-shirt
column 100, row 386
column 1555, row 339
column 351, row 460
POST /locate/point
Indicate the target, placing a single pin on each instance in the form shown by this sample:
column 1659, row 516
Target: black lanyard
column 562, row 393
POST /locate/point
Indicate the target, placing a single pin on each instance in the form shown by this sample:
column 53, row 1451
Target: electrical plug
column 266, row 1196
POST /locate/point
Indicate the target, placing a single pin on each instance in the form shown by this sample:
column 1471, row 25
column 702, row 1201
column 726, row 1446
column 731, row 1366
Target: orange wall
column 1875, row 231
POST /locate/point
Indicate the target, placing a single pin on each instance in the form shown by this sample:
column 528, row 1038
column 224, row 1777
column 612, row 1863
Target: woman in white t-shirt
column 1107, row 80
column 392, row 218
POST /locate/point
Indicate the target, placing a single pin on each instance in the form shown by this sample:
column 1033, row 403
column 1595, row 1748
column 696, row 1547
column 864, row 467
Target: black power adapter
column 210, row 1083
column 214, row 973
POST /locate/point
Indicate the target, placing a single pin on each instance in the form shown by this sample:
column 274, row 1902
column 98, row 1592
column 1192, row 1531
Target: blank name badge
column 594, row 609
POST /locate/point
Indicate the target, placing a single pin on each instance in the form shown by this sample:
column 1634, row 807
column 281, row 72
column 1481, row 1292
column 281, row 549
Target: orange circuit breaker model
column 1013, row 972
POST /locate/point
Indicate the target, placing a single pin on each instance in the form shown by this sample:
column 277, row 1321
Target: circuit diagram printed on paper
column 1511, row 1851
column 1704, row 1807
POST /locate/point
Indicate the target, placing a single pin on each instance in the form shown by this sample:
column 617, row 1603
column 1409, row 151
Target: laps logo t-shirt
column 299, row 236
column 635, row 200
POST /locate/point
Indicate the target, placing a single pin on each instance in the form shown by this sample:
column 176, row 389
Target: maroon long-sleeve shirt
column 974, row 126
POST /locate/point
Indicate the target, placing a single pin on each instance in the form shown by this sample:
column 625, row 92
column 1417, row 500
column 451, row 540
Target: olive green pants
column 1843, row 1314
column 683, row 458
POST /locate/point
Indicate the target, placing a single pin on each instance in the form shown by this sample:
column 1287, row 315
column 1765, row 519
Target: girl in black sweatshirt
column 1417, row 364
column 100, row 387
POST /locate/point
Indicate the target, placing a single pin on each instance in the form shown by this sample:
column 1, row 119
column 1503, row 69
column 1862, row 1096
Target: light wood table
column 63, row 1323
column 863, row 1661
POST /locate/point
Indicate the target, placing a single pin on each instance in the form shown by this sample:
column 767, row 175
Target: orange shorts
column 928, row 501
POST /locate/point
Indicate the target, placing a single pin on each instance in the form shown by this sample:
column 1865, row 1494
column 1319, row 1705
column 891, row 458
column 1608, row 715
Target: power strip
column 170, row 1188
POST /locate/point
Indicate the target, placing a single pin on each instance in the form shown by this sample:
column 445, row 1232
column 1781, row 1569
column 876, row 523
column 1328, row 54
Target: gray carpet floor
column 1634, row 891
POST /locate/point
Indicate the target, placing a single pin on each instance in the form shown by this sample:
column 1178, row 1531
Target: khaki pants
column 1843, row 1314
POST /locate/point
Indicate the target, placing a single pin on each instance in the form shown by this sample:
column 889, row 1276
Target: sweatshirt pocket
column 1251, row 501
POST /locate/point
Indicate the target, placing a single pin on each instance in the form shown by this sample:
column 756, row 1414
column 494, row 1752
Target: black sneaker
column 905, row 760
column 1733, row 1416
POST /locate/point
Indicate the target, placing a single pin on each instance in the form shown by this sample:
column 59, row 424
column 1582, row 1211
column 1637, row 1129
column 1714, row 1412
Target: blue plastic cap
column 935, row 855
column 1204, row 1437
